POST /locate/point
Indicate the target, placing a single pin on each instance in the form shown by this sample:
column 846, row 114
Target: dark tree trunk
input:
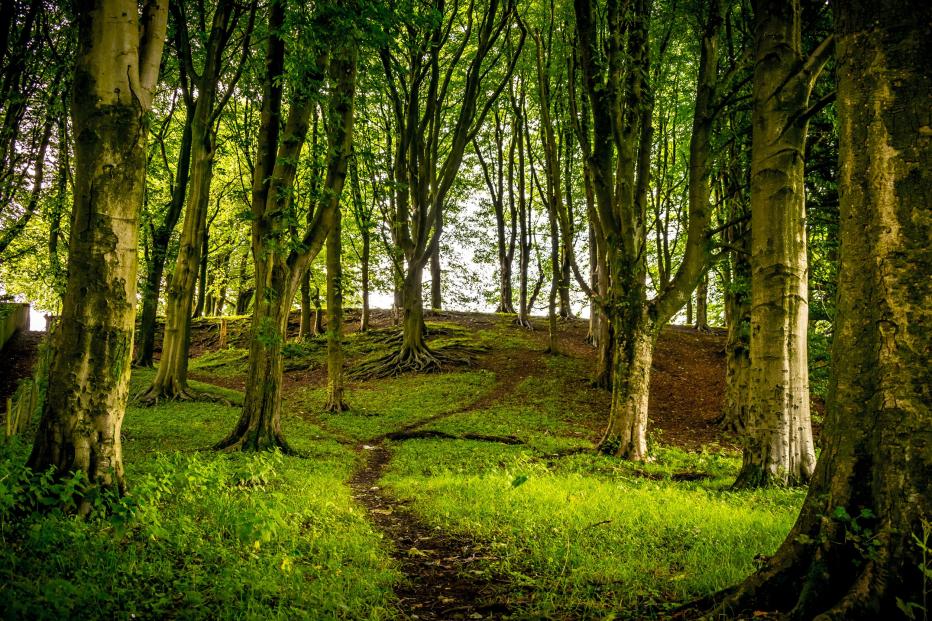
column 702, row 304
column 305, row 330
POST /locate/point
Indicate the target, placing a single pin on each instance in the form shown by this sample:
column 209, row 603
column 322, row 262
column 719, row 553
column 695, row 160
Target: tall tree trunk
column 364, row 267
column 161, row 236
column 335, row 402
column 202, row 275
column 854, row 552
column 281, row 263
column 115, row 71
column 738, row 344
column 779, row 447
column 524, row 218
column 171, row 380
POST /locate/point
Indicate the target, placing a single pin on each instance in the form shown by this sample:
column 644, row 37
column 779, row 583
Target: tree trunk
column 160, row 239
column 779, row 447
column 202, row 275
column 702, row 304
column 116, row 68
column 626, row 434
column 364, row 266
column 305, row 328
column 857, row 550
column 171, row 380
column 738, row 344
column 436, row 294
column 335, row 401
column 259, row 425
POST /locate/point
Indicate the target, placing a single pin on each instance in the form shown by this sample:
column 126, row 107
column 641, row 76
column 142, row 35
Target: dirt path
column 441, row 583
column 443, row 576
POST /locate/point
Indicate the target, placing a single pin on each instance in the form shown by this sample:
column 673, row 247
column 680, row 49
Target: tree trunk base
column 523, row 322
column 336, row 406
column 156, row 394
column 811, row 581
column 253, row 440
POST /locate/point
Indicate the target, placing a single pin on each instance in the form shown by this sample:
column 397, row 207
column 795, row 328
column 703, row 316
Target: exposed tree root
column 411, row 360
column 154, row 395
column 336, row 406
column 429, row 434
column 523, row 322
column 251, row 440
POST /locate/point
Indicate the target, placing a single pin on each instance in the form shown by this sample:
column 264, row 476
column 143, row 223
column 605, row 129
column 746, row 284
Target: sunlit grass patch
column 584, row 541
column 384, row 406
column 223, row 362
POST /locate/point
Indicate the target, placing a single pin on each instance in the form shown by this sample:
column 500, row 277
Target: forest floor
column 470, row 494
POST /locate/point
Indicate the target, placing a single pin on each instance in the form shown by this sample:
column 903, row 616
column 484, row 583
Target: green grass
column 207, row 535
column 213, row 536
column 583, row 537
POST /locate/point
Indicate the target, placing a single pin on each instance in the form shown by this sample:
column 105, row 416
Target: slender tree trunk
column 436, row 294
column 335, row 402
column 854, row 552
column 116, row 69
column 364, row 266
column 779, row 447
column 171, row 380
column 702, row 304
column 305, row 330
column 738, row 345
column 160, row 239
column 318, row 328
column 202, row 275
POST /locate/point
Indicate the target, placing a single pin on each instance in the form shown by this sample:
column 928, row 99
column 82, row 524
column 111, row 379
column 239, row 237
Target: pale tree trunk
column 115, row 71
column 335, row 402
column 854, row 552
column 779, row 447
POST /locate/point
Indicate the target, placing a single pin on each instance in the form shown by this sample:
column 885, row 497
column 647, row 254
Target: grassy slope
column 245, row 536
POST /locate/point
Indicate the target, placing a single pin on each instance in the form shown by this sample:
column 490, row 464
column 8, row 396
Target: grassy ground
column 207, row 535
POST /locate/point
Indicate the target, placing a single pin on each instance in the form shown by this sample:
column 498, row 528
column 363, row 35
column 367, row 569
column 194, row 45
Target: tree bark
column 171, row 380
column 853, row 553
column 280, row 260
column 702, row 304
column 335, row 402
column 115, row 71
column 779, row 447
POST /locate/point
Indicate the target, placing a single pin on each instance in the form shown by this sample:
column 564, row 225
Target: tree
column 335, row 402
column 778, row 446
column 115, row 72
column 852, row 553
column 280, row 260
column 206, row 95
column 433, row 136
column 618, row 157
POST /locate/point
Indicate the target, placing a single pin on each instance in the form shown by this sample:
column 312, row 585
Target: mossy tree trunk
column 621, row 105
column 852, row 554
column 115, row 73
column 778, row 445
column 204, row 97
column 280, row 260
column 161, row 235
